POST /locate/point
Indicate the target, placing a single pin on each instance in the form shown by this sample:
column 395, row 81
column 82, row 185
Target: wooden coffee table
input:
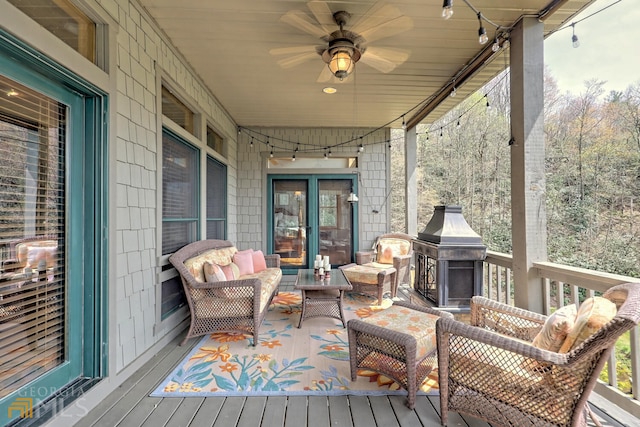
column 322, row 297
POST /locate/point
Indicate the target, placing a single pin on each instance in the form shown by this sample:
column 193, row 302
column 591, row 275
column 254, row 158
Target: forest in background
column 592, row 172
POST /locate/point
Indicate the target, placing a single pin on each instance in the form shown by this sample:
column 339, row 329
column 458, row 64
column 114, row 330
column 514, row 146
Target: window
column 215, row 141
column 65, row 21
column 177, row 111
column 216, row 199
column 179, row 193
column 180, row 205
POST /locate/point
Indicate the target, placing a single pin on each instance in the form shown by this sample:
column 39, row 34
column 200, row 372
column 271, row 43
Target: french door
column 310, row 215
column 48, row 283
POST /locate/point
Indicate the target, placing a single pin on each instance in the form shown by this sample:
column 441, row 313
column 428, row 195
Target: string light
column 447, row 9
column 458, row 124
column 453, row 92
column 271, row 154
column 496, row 44
column 251, row 142
column 360, row 147
column 482, row 32
column 574, row 38
column 404, row 124
column 293, row 158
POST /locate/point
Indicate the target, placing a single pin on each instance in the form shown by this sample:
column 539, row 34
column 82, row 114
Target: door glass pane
column 32, row 232
column 290, row 222
column 335, row 220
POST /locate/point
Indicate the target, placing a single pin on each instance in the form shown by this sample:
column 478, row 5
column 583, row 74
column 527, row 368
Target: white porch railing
column 573, row 284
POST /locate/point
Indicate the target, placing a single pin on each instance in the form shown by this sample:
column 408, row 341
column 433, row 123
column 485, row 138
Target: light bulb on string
column 293, row 158
column 458, row 124
column 441, row 132
column 487, row 99
column 574, row 38
column 482, row 32
column 271, row 154
column 251, row 142
column 453, row 92
column 496, row 45
column 404, row 124
column 361, row 148
column 447, row 9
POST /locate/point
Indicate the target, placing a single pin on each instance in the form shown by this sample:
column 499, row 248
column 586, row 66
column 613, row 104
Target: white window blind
column 32, row 235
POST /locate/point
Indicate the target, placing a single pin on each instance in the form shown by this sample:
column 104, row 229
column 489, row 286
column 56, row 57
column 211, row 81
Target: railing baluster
column 635, row 361
column 547, row 296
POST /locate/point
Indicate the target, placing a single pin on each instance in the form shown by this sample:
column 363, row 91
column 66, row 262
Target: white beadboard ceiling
column 229, row 42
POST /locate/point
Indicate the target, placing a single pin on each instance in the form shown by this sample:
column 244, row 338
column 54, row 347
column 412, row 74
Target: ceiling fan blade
column 379, row 13
column 296, row 60
column 384, row 59
column 325, row 75
column 292, row 50
column 303, row 22
column 397, row 56
column 323, row 14
column 387, row 29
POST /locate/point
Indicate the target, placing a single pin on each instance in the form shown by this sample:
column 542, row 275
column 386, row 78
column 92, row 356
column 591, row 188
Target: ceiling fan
column 343, row 43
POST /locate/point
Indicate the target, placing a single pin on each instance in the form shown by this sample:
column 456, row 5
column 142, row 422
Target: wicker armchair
column 402, row 263
column 225, row 306
column 509, row 382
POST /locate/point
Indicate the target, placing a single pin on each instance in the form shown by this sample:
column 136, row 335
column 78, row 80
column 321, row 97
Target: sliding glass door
column 310, row 215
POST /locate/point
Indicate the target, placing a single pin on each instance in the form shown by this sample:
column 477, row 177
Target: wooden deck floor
column 131, row 406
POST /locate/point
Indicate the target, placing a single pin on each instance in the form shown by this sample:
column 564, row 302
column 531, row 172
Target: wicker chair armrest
column 446, row 327
column 505, row 319
column 363, row 257
column 272, row 260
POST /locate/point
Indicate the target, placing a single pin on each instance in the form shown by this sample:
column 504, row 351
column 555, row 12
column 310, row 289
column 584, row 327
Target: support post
column 528, row 188
column 411, row 181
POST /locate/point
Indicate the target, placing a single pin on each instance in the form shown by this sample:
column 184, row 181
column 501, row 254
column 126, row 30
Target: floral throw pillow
column 555, row 330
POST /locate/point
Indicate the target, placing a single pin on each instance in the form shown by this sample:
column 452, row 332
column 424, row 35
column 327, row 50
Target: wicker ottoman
column 399, row 342
column 365, row 279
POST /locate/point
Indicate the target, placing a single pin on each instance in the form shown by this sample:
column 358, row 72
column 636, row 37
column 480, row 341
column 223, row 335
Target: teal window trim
column 312, row 212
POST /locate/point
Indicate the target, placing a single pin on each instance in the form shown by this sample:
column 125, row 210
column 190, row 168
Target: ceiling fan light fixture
column 341, row 64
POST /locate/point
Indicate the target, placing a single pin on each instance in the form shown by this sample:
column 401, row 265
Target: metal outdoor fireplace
column 449, row 259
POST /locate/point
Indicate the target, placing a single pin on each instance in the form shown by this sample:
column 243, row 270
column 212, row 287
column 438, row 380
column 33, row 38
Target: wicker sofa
column 236, row 303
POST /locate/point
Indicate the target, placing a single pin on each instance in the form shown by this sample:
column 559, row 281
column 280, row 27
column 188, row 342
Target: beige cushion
column 391, row 247
column 555, row 330
column 592, row 315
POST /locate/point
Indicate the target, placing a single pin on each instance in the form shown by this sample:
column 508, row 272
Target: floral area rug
column 312, row 360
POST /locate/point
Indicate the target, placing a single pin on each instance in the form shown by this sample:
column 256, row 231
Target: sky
column 609, row 48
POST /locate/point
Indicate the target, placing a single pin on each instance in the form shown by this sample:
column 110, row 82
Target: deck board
column 208, row 412
column 296, row 415
column 186, row 411
column 318, row 411
column 339, row 412
column 274, row 411
column 229, row 414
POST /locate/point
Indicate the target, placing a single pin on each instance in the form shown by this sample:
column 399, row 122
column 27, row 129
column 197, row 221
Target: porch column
column 411, row 181
column 528, row 210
